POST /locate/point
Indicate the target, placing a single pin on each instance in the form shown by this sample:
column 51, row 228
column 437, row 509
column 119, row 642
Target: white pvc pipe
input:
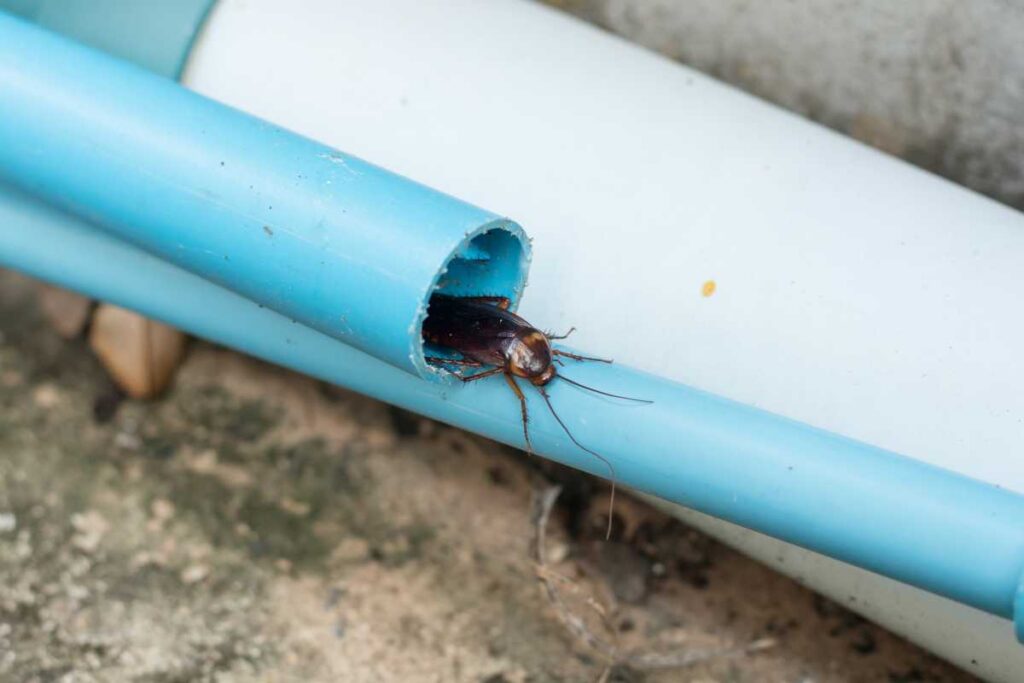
column 852, row 291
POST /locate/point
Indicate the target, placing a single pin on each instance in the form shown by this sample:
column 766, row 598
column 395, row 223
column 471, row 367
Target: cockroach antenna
column 611, row 469
column 603, row 393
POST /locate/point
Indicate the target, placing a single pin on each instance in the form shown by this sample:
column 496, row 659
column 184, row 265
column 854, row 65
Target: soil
column 258, row 525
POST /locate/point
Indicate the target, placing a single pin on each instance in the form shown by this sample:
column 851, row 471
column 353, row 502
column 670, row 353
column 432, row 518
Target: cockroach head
column 530, row 357
column 545, row 377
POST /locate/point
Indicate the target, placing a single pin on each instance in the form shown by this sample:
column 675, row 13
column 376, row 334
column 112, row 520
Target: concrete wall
column 938, row 82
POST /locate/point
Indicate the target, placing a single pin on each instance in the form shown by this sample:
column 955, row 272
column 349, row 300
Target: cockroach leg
column 464, row 362
column 574, row 356
column 522, row 405
column 561, row 336
column 501, row 302
column 436, row 360
column 479, row 375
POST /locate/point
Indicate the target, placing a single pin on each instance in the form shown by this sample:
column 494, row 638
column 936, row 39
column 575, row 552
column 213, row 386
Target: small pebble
column 46, row 396
column 90, row 528
column 194, row 573
column 556, row 552
column 162, row 509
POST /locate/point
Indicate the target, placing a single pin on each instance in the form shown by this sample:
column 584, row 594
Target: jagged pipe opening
column 491, row 261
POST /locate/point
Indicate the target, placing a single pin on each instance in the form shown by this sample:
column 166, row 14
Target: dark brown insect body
column 487, row 335
column 485, row 332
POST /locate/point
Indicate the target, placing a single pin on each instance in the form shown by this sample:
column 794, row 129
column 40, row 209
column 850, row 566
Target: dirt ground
column 257, row 525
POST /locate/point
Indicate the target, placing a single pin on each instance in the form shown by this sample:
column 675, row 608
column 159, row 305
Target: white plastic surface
column 852, row 291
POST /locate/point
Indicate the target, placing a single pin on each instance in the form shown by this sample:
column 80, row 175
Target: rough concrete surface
column 938, row 82
column 257, row 525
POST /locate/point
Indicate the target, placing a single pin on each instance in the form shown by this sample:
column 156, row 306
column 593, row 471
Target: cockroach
column 486, row 334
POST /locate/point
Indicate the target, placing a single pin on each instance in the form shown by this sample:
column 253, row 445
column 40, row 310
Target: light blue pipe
column 327, row 239
column 899, row 517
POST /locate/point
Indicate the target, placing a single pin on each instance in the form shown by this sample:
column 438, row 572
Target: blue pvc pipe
column 875, row 509
column 327, row 239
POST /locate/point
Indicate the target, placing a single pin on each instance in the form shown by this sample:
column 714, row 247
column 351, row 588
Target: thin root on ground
column 607, row 647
